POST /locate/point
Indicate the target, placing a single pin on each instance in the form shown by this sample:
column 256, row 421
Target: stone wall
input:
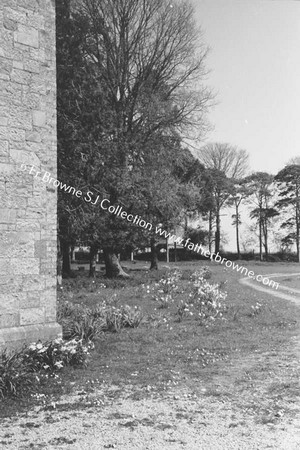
column 27, row 204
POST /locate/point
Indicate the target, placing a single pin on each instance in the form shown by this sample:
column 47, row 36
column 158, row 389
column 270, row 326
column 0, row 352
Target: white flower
column 59, row 364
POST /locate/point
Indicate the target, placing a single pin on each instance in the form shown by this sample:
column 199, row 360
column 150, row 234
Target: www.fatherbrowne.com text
column 118, row 210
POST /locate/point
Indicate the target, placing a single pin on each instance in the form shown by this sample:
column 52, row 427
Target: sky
column 254, row 65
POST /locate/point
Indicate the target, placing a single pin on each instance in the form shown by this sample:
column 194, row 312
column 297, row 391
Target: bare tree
column 232, row 164
column 230, row 160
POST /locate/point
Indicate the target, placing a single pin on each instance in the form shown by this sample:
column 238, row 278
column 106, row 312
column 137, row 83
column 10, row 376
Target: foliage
column 204, row 272
column 226, row 164
column 19, row 369
column 15, row 377
column 124, row 97
column 225, row 158
column 288, row 184
column 79, row 321
column 164, row 291
column 261, row 189
column 205, row 301
column 54, row 355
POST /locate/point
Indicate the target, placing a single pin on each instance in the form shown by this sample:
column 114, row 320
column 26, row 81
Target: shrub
column 54, row 355
column 15, row 378
column 203, row 272
column 79, row 321
column 205, row 300
column 165, row 290
column 18, row 369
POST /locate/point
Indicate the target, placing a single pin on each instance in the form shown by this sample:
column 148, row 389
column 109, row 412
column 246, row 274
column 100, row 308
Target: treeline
column 272, row 201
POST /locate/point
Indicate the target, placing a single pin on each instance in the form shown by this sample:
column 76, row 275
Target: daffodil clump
column 205, row 301
column 21, row 371
column 166, row 289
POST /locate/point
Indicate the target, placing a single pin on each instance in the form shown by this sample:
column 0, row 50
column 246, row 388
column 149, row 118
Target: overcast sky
column 255, row 68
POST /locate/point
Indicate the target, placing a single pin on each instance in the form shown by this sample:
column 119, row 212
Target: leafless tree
column 230, row 160
column 232, row 163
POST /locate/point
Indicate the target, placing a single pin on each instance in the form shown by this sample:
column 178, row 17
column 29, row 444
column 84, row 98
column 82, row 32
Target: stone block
column 16, row 245
column 10, row 24
column 4, row 152
column 18, row 65
column 48, row 296
column 15, row 337
column 50, row 312
column 37, row 21
column 31, row 300
column 3, row 121
column 20, row 76
column 15, row 14
column 29, row 4
column 32, row 316
column 27, row 225
column 11, row 301
column 4, row 77
column 39, row 118
column 25, row 266
column 6, row 169
column 10, row 284
column 12, row 134
column 24, row 157
column 33, row 136
column 21, row 118
column 38, row 84
column 40, row 249
column 27, row 36
column 6, row 66
column 32, row 66
column 38, row 54
column 35, row 283
column 31, row 100
column 8, row 215
column 9, row 319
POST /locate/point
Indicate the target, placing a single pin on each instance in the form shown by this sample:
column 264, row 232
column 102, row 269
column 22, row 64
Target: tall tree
column 226, row 158
column 232, row 163
column 288, row 183
column 260, row 185
column 138, row 62
column 240, row 192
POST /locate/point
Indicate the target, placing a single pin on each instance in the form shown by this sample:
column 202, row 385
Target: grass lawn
column 247, row 359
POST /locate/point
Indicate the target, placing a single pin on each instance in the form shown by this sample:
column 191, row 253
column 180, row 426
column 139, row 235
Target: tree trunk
column 112, row 264
column 266, row 242
column 93, row 260
column 168, row 251
column 175, row 252
column 210, row 220
column 59, row 264
column 260, row 240
column 218, row 233
column 154, row 258
column 237, row 232
column 66, row 263
column 297, row 231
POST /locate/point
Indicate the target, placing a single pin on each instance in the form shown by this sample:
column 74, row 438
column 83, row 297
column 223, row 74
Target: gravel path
column 293, row 294
column 178, row 420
